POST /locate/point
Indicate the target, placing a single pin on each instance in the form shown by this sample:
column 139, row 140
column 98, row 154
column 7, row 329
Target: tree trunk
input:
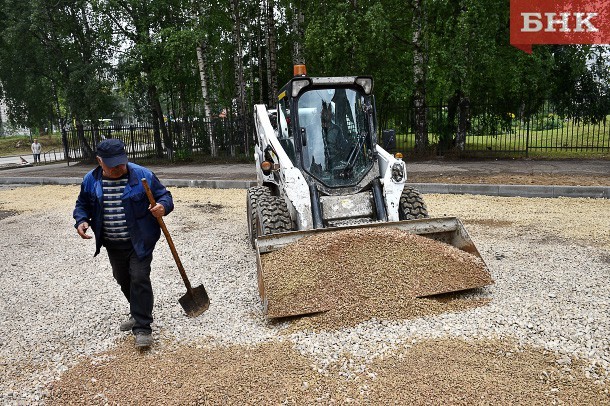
column 167, row 141
column 271, row 53
column 86, row 148
column 157, row 133
column 182, row 126
column 240, row 87
column 449, row 130
column 419, row 81
column 297, row 28
column 261, row 17
column 204, row 92
column 252, row 79
column 158, row 123
column 463, row 122
column 62, row 126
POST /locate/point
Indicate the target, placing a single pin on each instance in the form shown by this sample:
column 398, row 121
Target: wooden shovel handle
column 168, row 237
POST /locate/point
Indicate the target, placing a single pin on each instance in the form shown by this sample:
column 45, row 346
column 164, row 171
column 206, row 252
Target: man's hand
column 82, row 230
column 158, row 210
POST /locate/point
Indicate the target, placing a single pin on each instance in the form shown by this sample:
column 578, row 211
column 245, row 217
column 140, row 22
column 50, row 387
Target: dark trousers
column 133, row 275
column 36, row 157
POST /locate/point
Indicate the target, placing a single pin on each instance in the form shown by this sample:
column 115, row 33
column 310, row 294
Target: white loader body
column 294, row 188
column 319, row 169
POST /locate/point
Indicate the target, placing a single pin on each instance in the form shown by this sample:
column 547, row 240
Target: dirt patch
column 512, row 179
column 448, row 371
column 207, row 207
column 363, row 273
column 37, row 198
column 569, row 218
column 7, row 213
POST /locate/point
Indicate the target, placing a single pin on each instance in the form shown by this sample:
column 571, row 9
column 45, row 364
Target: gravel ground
column 543, row 337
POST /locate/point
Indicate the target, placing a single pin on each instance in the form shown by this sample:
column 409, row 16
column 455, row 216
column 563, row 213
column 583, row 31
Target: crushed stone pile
column 449, row 371
column 359, row 274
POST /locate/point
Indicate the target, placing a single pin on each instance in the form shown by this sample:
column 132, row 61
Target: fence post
column 527, row 137
column 133, row 145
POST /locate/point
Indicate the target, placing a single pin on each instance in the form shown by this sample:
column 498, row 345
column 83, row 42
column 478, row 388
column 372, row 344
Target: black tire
column 272, row 216
column 253, row 196
column 412, row 205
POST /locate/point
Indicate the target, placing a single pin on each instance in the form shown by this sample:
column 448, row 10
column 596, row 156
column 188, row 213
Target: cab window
column 285, row 135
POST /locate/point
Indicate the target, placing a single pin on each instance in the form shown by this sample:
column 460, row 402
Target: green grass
column 9, row 145
column 569, row 141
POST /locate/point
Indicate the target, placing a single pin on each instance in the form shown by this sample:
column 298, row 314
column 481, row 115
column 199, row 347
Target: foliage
column 582, row 85
column 131, row 60
column 546, row 122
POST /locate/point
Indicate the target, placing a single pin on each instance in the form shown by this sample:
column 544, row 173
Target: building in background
column 3, row 117
column 6, row 128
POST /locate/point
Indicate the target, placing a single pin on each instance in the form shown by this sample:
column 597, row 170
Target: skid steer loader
column 319, row 168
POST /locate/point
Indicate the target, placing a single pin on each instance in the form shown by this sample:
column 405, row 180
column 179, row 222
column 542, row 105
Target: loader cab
column 327, row 127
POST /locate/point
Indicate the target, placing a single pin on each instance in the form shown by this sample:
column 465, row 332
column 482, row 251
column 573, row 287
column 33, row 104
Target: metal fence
column 491, row 130
column 182, row 140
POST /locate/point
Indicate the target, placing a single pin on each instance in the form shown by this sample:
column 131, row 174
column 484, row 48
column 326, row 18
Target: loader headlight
column 398, row 172
column 298, row 85
column 266, row 167
column 366, row 83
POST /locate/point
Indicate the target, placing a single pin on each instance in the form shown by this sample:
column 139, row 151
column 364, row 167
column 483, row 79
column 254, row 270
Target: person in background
column 36, row 149
column 113, row 202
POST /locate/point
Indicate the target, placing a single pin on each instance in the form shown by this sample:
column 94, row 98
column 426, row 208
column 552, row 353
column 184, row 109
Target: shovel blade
column 195, row 301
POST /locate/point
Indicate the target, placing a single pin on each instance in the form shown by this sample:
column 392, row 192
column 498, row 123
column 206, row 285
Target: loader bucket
column 449, row 230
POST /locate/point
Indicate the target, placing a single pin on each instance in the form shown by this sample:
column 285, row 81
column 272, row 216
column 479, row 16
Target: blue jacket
column 143, row 227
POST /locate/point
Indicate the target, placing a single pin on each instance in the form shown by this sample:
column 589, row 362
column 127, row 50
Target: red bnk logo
column 559, row 22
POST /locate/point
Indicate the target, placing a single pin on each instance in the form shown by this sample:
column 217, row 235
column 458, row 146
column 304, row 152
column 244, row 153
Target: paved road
column 235, row 175
column 237, row 171
column 196, row 172
column 45, row 157
column 514, row 166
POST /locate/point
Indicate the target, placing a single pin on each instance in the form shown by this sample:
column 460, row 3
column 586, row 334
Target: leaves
column 91, row 56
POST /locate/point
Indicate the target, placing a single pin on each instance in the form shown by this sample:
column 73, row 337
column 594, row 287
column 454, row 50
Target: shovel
column 195, row 301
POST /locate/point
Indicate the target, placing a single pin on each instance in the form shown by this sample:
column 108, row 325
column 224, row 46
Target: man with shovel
column 113, row 202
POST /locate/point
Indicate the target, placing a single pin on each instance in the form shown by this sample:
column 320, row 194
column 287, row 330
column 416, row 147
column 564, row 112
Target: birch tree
column 419, row 79
column 271, row 51
column 240, row 89
column 204, row 92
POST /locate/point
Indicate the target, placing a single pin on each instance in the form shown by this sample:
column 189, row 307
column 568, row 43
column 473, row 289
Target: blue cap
column 112, row 152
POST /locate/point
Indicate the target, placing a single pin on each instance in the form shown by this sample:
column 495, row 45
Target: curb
column 596, row 192
column 210, row 184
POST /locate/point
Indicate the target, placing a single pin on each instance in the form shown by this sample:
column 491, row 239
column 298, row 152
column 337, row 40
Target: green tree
column 55, row 63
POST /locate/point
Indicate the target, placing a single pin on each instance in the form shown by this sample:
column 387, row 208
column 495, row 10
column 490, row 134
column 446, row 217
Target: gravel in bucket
column 360, row 274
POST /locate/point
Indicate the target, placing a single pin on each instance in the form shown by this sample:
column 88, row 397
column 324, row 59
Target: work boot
column 143, row 340
column 127, row 325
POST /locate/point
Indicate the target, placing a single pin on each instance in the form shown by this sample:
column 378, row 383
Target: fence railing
column 52, row 155
column 491, row 130
column 181, row 141
column 49, row 156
